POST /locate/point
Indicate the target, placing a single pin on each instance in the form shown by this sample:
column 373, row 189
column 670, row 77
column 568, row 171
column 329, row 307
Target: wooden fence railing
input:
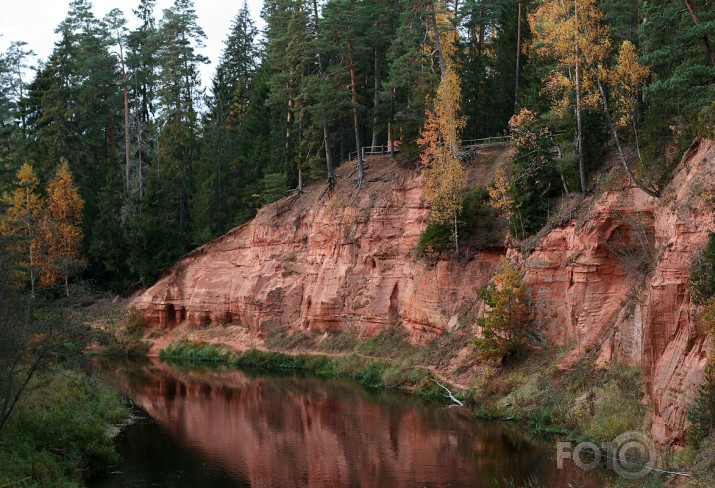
column 467, row 145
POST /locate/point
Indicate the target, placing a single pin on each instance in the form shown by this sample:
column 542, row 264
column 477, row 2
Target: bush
column 476, row 226
column 702, row 275
column 371, row 374
column 59, row 431
column 506, row 322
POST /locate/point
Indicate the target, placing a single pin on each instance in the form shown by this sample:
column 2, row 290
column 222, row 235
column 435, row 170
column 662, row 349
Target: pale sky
column 34, row 21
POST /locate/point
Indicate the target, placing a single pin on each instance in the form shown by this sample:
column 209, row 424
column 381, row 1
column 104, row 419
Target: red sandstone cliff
column 610, row 278
column 614, row 280
column 340, row 262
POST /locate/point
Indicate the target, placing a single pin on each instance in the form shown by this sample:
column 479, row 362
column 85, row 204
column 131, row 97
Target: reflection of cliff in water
column 297, row 431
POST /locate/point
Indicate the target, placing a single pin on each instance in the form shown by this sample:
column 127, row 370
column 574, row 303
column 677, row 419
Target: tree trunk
column 706, row 39
column 654, row 192
column 482, row 29
column 126, row 120
column 518, row 59
column 579, row 125
column 391, row 135
column 326, row 133
column 356, row 124
column 438, row 42
column 376, row 99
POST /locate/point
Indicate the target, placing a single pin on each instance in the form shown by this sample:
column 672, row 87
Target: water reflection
column 232, row 428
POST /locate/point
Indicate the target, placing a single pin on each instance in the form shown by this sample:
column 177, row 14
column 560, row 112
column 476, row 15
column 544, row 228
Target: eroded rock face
column 611, row 280
column 324, row 262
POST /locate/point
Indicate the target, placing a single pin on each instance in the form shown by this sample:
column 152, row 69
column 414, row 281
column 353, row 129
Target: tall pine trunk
column 437, row 40
column 356, row 119
column 376, row 99
column 326, row 133
column 706, row 39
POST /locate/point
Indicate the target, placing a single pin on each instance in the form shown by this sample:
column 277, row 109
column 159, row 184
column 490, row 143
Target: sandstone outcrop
column 613, row 281
column 610, row 278
column 322, row 262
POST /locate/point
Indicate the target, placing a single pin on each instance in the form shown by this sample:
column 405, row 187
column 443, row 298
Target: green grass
column 582, row 403
column 371, row 372
column 196, row 351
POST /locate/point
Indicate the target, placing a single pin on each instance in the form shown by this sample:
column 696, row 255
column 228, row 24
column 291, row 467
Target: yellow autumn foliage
column 62, row 228
column 572, row 33
column 627, row 78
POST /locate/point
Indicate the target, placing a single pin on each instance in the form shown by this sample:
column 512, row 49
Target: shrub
column 476, row 226
column 702, row 275
column 59, row 430
column 506, row 322
column 371, row 374
column 701, row 413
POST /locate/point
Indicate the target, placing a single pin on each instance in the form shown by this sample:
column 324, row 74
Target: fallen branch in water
column 455, row 401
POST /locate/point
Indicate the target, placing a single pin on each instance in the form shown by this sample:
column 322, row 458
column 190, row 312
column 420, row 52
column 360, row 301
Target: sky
column 34, row 21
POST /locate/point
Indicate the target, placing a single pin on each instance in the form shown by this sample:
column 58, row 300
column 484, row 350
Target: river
column 202, row 427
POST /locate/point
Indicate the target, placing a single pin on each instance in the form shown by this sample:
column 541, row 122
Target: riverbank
column 584, row 402
column 61, row 431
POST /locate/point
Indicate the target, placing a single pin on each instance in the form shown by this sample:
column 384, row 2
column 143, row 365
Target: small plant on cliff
column 476, row 227
column 506, row 320
column 702, row 276
column 701, row 413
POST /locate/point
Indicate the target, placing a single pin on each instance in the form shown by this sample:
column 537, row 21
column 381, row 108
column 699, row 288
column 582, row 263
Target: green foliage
column 702, row 275
column 701, row 412
column 60, row 431
column 371, row 372
column 506, row 321
column 196, row 351
column 200, row 165
column 477, row 227
column 274, row 187
column 436, row 238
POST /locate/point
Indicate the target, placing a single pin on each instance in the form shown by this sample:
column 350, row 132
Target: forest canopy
column 162, row 164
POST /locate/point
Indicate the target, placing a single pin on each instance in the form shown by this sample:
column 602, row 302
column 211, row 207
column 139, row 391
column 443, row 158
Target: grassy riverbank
column 61, row 431
column 371, row 372
column 582, row 403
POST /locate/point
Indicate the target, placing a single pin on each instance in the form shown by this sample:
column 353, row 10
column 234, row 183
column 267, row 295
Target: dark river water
column 229, row 428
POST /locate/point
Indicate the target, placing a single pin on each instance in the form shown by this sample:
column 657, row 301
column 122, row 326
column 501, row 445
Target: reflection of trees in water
column 295, row 431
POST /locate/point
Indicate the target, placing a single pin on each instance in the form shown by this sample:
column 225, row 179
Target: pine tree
column 142, row 68
column 62, row 229
column 220, row 175
column 179, row 91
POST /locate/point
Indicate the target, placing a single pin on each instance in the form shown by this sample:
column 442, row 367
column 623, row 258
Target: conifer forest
column 116, row 158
